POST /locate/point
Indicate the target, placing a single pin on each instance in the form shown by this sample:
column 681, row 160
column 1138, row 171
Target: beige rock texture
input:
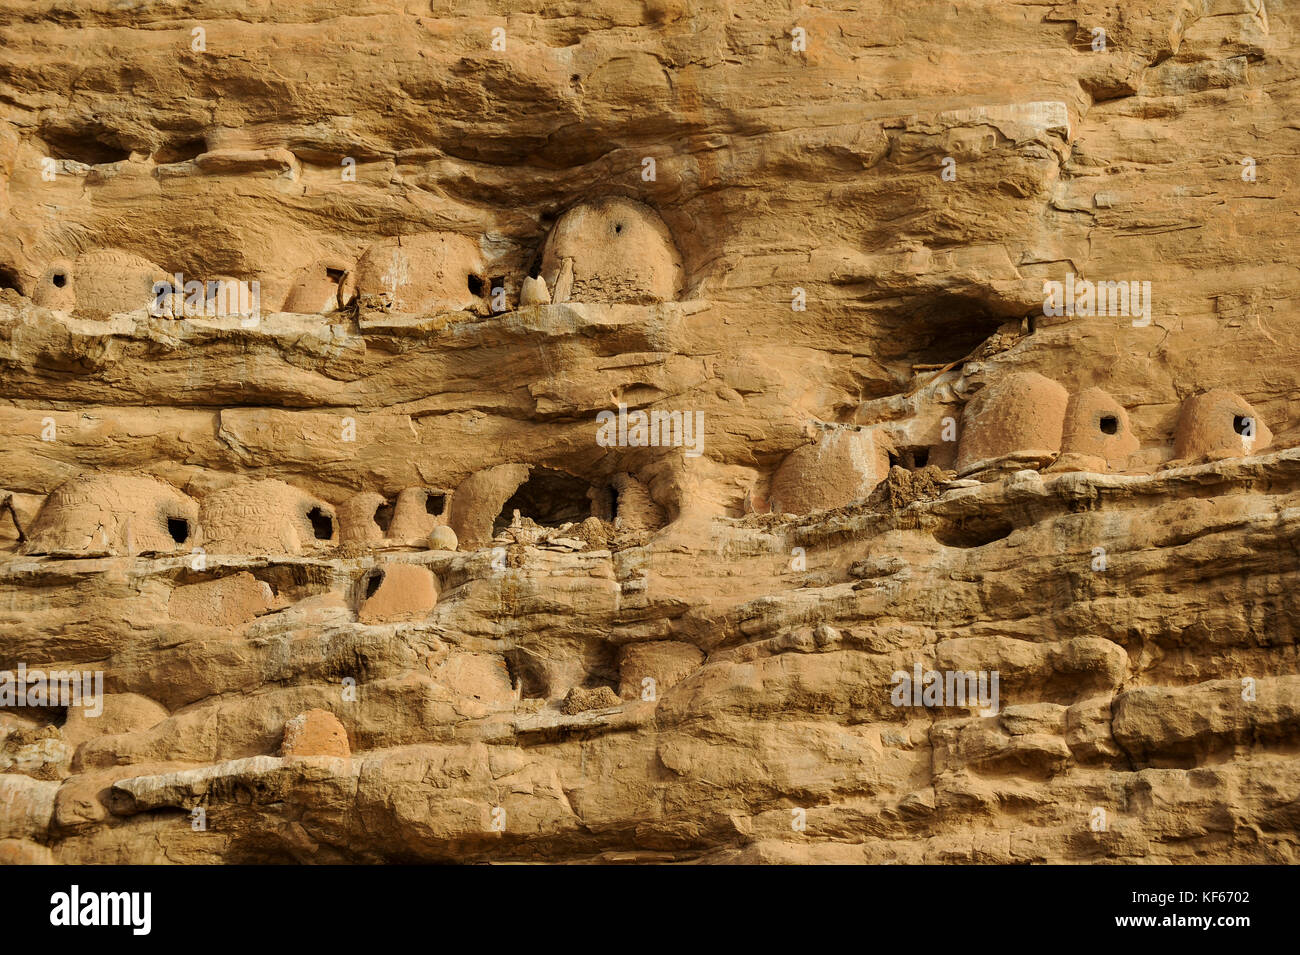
column 122, row 713
column 838, row 260
column 225, row 602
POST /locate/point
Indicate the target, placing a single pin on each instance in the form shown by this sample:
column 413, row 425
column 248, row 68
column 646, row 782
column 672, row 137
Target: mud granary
column 358, row 573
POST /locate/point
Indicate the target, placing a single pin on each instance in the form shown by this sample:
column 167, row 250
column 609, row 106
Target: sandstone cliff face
column 377, row 559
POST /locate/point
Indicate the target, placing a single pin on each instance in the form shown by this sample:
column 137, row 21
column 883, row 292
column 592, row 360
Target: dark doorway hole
column 60, row 279
column 435, row 503
column 973, row 532
column 913, row 458
column 180, row 151
column 618, row 228
column 1109, row 424
column 528, row 673
column 9, row 279
column 384, row 515
column 322, row 525
column 179, row 528
column 475, row 285
column 550, row 498
column 372, row 583
column 334, row 275
column 1243, row 424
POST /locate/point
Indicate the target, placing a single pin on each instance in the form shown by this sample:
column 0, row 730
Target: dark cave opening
column 322, row 525
column 550, row 498
column 83, row 147
column 912, row 457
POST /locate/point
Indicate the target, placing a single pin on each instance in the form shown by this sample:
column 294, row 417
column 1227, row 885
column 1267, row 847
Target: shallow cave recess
column 180, row 151
column 9, row 279
column 937, row 330
column 973, row 531
column 90, row 148
column 551, row 498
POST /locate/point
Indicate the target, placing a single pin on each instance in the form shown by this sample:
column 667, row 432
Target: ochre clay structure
column 398, row 592
column 225, row 602
column 316, row 288
column 98, row 515
column 373, row 568
column 98, row 284
column 664, row 663
column 315, row 733
column 1097, row 434
column 417, row 511
column 420, row 273
column 843, row 466
column 266, row 517
column 360, row 518
column 1218, row 424
column 1020, row 415
column 479, row 500
column 635, row 510
column 611, row 250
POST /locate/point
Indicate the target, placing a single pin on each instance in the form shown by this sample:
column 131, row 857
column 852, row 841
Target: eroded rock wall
column 892, row 459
